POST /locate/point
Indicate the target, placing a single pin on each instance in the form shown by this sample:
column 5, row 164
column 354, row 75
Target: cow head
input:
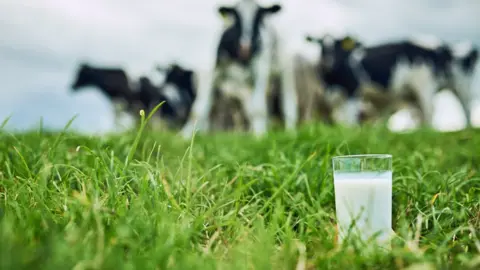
column 247, row 17
column 334, row 51
column 83, row 77
column 179, row 78
column 175, row 74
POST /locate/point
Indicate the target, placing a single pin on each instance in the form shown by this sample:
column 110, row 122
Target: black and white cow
column 112, row 82
column 179, row 87
column 253, row 44
column 340, row 83
column 134, row 95
column 148, row 95
column 417, row 66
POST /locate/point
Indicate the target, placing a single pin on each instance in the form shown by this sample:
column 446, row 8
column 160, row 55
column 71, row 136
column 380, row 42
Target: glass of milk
column 363, row 196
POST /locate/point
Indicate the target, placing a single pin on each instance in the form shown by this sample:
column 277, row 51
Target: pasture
column 149, row 200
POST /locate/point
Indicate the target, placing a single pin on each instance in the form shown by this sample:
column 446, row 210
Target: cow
column 405, row 69
column 252, row 43
column 179, row 87
column 236, row 85
column 112, row 82
column 337, row 77
column 126, row 94
column 149, row 95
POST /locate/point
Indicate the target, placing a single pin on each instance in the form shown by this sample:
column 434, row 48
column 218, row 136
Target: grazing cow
column 149, row 95
column 112, row 82
column 252, row 43
column 131, row 96
column 399, row 68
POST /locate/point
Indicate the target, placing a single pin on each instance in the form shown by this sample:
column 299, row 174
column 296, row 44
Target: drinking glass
column 363, row 195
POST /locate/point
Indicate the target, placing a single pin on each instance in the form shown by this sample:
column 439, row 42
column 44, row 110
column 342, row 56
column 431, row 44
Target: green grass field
column 152, row 201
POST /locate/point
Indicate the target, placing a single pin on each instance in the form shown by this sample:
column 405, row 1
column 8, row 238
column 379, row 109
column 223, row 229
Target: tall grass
column 146, row 200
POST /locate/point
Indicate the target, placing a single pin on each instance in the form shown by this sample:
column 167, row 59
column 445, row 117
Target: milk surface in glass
column 366, row 198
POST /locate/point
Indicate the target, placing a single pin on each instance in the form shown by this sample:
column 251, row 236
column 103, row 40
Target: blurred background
column 43, row 41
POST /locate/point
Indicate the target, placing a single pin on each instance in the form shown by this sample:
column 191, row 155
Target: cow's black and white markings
column 338, row 78
column 177, row 91
column 397, row 67
column 179, row 88
column 252, row 43
column 112, row 82
column 149, row 95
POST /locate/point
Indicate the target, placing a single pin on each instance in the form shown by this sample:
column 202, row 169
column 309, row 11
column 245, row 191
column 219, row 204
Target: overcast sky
column 44, row 40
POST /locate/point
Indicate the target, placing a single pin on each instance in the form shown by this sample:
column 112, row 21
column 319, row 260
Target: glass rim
column 385, row 156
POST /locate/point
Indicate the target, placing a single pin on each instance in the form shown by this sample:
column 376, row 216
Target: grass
column 141, row 200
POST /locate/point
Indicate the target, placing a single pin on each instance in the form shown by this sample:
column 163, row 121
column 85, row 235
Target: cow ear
column 225, row 11
column 176, row 69
column 474, row 54
column 84, row 65
column 272, row 9
column 226, row 14
column 349, row 43
column 470, row 59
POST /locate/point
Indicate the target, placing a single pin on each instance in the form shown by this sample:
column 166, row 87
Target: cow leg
column 425, row 99
column 425, row 86
column 310, row 95
column 118, row 108
column 199, row 114
column 352, row 109
column 345, row 109
column 289, row 92
column 257, row 112
column 463, row 92
column 465, row 99
column 377, row 102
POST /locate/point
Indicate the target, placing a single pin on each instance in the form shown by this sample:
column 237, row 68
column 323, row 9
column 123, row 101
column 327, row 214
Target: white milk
column 367, row 191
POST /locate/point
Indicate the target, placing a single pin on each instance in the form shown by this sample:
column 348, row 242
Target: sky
column 43, row 41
